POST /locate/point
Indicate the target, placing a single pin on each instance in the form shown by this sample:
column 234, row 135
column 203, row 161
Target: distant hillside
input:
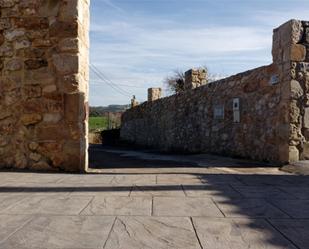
column 100, row 110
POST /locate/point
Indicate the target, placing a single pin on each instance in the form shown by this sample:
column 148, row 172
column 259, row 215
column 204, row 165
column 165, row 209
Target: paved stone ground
column 170, row 206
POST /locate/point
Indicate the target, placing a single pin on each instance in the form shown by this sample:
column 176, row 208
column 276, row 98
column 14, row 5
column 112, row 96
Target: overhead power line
column 101, row 76
column 99, row 81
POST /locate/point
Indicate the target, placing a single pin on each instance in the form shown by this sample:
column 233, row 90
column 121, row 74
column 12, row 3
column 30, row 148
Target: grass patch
column 98, row 123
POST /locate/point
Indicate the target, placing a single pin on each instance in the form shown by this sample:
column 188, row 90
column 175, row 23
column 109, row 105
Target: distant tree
column 176, row 82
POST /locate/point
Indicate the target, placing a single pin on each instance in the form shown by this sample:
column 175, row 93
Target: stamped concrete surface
column 162, row 206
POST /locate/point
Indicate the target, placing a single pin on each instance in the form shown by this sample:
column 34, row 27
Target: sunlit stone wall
column 44, row 84
column 261, row 114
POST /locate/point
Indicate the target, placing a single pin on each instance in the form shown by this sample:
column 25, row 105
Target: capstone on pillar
column 195, row 78
column 154, row 94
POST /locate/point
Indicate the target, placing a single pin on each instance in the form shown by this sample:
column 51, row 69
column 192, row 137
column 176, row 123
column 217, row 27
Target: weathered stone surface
column 14, row 65
column 152, row 232
column 174, row 206
column 33, row 146
column 119, row 206
column 52, row 117
column 4, row 24
column 14, row 34
column 238, row 234
column 40, row 46
column 69, row 45
column 49, row 89
column 35, row 64
column 40, row 166
column 32, row 91
column 2, row 39
column 298, row 52
column 293, row 154
column 50, row 205
column 64, row 29
column 31, row 119
column 306, row 118
column 66, row 64
column 154, row 94
column 296, row 89
column 35, row 157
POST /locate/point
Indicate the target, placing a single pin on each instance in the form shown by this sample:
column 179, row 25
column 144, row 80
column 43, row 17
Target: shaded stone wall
column 44, row 84
column 251, row 114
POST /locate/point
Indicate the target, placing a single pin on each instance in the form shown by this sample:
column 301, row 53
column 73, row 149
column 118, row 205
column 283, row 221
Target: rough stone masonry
column 44, row 84
column 261, row 114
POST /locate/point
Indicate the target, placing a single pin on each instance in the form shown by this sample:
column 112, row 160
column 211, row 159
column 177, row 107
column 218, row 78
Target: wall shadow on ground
column 274, row 205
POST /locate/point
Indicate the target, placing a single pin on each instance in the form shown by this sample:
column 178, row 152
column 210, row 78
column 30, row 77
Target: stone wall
column 259, row 114
column 44, row 84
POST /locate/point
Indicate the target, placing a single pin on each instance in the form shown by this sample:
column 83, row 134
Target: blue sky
column 137, row 43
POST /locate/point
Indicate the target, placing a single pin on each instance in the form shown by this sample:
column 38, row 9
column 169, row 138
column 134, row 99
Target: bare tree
column 176, row 82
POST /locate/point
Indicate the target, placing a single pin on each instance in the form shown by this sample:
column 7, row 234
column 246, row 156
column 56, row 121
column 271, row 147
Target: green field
column 97, row 123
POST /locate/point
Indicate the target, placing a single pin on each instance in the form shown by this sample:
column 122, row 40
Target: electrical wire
column 112, row 85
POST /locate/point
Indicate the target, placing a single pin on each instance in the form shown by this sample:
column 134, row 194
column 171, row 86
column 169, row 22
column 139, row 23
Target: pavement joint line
column 109, row 234
column 151, row 206
column 196, row 234
column 31, row 217
column 278, row 230
column 274, row 205
column 90, row 201
column 183, row 189
column 216, row 204
column 236, row 190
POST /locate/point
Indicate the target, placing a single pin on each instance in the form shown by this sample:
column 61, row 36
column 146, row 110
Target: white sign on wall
column 219, row 112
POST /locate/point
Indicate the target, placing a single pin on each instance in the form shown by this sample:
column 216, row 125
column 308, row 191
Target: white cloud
column 143, row 53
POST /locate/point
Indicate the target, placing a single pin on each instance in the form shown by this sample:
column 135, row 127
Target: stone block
column 52, row 117
column 66, row 64
column 7, row 3
column 35, row 63
column 298, row 52
column 293, row 154
column 69, row 11
column 306, row 118
column 49, row 89
column 35, row 157
column 63, row 29
column 31, row 119
column 33, row 146
column 2, row 39
column 34, row 53
column 12, row 35
column 287, row 35
column 74, row 105
column 5, row 23
column 154, row 94
column 52, row 132
column 41, row 166
column 14, row 65
column 20, row 160
column 32, row 91
column 69, row 45
column 295, row 113
column 296, row 90
column 49, row 8
column 32, row 23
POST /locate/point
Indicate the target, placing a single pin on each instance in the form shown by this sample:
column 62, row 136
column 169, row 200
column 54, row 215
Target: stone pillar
column 134, row 102
column 195, row 78
column 44, row 84
column 290, row 54
column 154, row 94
